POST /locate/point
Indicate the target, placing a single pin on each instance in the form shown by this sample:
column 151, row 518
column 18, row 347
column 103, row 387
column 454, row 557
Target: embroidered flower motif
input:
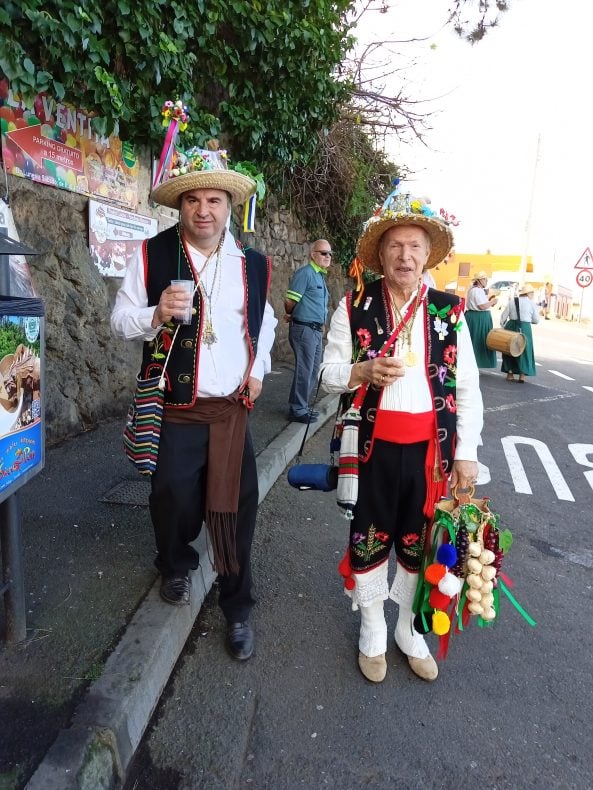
column 449, row 355
column 442, row 373
column 367, row 547
column 364, row 337
column 382, row 536
column 371, row 353
column 358, row 537
column 410, row 539
column 450, row 403
column 167, row 340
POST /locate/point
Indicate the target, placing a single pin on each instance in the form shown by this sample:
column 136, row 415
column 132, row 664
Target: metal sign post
column 584, row 279
column 12, row 582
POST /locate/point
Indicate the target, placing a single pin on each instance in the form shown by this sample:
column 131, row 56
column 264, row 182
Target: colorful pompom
column 434, row 573
column 450, row 585
column 447, row 554
column 438, row 599
column 349, row 583
column 422, row 624
column 440, row 623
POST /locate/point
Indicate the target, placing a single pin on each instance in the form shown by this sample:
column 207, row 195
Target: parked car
column 503, row 290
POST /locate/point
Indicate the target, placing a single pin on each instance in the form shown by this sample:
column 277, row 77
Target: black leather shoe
column 241, row 641
column 303, row 418
column 175, row 589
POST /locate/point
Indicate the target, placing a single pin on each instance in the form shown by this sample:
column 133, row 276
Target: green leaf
column 29, row 66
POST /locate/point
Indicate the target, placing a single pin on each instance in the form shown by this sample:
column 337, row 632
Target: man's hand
column 173, row 301
column 464, row 474
column 287, row 318
column 255, row 387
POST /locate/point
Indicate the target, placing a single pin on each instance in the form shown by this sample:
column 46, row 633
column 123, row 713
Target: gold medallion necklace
column 209, row 335
column 410, row 357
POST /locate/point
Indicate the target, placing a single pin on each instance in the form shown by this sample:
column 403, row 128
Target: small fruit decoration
column 461, row 576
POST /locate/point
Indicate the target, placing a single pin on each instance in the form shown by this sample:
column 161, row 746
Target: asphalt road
column 512, row 705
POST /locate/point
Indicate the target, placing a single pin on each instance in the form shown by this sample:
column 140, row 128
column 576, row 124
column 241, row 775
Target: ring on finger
column 382, row 379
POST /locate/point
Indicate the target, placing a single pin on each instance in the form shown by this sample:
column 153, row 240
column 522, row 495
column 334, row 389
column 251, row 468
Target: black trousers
column 389, row 511
column 177, row 507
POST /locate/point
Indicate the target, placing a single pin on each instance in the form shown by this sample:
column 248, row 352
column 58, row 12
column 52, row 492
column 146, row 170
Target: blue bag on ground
column 313, row 477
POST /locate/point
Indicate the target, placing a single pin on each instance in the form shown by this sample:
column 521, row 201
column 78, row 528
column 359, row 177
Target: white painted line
column 517, row 470
column 538, row 364
column 582, row 361
column 588, row 388
column 561, row 375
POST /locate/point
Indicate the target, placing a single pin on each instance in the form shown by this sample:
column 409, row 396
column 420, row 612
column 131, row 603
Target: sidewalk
column 76, row 696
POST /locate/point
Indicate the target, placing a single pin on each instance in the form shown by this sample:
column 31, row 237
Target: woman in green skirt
column 479, row 320
column 518, row 316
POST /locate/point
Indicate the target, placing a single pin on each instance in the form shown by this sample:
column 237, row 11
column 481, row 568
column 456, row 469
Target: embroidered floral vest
column 370, row 324
column 161, row 265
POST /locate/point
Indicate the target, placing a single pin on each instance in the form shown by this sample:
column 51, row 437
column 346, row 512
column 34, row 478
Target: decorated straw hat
column 525, row 289
column 481, row 276
column 402, row 210
column 201, row 169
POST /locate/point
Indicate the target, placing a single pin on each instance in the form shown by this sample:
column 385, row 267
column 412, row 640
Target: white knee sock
column 402, row 592
column 373, row 630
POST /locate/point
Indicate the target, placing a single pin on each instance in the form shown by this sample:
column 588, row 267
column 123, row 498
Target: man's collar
column 317, row 268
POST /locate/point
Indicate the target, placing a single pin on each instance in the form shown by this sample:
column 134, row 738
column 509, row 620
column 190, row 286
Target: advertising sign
column 115, row 235
column 52, row 142
column 21, row 392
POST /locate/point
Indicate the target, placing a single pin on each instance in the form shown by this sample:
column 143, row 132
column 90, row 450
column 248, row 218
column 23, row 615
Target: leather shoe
column 374, row 668
column 426, row 668
column 241, row 641
column 303, row 418
column 175, row 589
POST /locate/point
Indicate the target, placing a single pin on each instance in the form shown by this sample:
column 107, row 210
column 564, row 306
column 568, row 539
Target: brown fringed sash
column 227, row 418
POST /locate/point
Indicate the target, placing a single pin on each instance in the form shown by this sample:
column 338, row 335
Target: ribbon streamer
column 249, row 215
column 167, row 151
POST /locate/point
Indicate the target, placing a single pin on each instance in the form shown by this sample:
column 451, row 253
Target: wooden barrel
column 511, row 343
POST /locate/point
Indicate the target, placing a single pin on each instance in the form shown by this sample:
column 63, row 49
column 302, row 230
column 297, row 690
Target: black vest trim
column 166, row 258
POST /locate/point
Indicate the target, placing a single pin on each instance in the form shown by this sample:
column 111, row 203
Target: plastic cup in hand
column 184, row 316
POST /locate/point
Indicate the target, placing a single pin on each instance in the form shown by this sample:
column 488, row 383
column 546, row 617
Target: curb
column 95, row 752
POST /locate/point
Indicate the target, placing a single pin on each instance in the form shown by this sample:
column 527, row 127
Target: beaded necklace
column 410, row 357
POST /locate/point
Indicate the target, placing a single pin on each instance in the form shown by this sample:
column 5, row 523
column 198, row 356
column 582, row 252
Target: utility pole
column 527, row 237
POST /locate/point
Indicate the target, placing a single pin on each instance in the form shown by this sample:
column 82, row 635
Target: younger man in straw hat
column 206, row 465
column 421, row 418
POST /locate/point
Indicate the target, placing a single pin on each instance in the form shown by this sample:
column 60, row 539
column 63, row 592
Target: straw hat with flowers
column 202, row 169
column 401, row 209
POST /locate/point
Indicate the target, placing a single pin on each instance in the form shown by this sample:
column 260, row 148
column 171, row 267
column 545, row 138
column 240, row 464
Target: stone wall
column 89, row 375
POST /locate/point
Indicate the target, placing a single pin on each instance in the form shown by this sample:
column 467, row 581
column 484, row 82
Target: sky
column 527, row 81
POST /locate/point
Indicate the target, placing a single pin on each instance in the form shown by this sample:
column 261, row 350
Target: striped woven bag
column 142, row 431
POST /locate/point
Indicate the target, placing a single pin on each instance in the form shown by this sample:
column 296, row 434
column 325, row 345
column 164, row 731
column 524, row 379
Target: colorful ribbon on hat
column 176, row 114
column 249, row 215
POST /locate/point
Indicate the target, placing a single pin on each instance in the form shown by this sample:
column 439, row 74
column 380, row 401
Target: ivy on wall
column 263, row 71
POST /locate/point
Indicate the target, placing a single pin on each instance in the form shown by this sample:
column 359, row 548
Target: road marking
column 562, row 375
column 582, row 361
column 538, row 364
column 517, row 470
column 581, row 453
column 517, row 404
column 588, row 388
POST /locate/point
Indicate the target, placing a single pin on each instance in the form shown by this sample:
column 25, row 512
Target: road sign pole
column 581, row 307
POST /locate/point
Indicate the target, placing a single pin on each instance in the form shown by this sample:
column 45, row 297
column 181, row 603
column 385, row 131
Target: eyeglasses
column 324, row 252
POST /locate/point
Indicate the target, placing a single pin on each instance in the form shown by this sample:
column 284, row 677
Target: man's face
column 321, row 254
column 403, row 253
column 204, row 213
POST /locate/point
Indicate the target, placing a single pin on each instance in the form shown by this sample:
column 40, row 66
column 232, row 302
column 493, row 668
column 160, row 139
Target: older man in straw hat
column 421, row 417
column 206, row 464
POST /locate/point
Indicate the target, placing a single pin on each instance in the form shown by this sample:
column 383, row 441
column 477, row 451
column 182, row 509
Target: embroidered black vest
column 441, row 316
column 166, row 258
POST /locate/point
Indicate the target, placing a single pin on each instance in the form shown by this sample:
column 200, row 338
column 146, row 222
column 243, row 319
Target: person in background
column 206, row 469
column 306, row 303
column 518, row 316
column 421, row 418
column 479, row 320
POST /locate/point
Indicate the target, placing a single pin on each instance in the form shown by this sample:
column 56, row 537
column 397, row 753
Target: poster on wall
column 52, row 142
column 21, row 392
column 115, row 235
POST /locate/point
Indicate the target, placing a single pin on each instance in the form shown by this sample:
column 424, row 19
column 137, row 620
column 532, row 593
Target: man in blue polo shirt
column 306, row 303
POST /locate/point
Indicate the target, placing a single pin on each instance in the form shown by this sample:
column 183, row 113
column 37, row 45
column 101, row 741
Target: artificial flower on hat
column 401, row 208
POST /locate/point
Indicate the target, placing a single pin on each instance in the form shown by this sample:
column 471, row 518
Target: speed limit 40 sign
column 584, row 278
